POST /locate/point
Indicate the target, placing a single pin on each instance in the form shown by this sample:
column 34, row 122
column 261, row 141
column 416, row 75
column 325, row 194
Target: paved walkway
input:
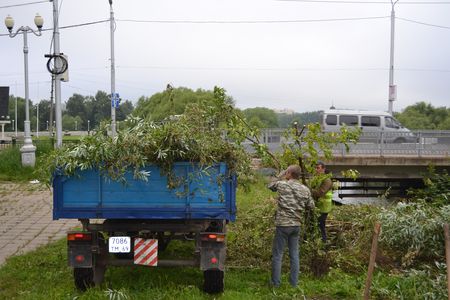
column 26, row 219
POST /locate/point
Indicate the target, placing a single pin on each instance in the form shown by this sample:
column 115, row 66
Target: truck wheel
column 213, row 281
column 84, row 278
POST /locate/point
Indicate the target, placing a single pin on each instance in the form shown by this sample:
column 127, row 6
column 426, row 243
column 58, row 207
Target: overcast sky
column 304, row 66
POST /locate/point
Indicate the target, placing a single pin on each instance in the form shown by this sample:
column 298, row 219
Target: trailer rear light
column 213, row 237
column 79, row 258
column 79, row 236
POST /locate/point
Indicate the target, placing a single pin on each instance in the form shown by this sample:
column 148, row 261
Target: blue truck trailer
column 132, row 222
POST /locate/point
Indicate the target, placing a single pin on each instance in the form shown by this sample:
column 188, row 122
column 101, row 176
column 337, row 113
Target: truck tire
column 84, row 278
column 213, row 281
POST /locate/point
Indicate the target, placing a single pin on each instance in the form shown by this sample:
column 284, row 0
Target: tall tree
column 125, row 108
column 20, row 111
column 98, row 108
column 76, row 106
column 44, row 114
column 171, row 101
column 287, row 120
column 424, row 116
column 71, row 123
column 261, row 117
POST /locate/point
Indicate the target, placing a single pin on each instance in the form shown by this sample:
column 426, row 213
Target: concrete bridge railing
column 416, row 143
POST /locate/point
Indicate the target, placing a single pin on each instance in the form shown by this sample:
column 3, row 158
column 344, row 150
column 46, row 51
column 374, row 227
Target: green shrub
column 414, row 231
column 350, row 231
column 428, row 283
column 436, row 190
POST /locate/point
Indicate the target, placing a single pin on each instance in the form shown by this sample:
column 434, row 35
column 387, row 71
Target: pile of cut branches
column 199, row 135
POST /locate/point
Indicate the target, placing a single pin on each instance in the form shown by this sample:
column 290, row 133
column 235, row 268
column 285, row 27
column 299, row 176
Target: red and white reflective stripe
column 146, row 252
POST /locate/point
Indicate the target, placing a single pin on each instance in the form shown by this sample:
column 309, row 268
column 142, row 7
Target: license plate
column 119, row 244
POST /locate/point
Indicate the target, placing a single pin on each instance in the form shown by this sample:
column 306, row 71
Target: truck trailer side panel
column 201, row 193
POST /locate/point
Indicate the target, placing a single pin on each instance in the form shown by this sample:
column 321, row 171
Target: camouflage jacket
column 293, row 198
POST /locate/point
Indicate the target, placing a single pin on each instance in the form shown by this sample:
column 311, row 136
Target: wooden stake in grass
column 373, row 255
column 447, row 256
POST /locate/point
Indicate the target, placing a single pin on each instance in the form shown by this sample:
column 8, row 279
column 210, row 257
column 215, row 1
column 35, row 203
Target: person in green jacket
column 323, row 194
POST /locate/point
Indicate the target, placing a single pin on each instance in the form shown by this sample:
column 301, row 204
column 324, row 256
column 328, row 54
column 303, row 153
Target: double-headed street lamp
column 28, row 150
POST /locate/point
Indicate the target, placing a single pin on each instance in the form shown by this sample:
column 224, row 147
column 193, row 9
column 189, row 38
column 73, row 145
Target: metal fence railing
column 415, row 143
column 47, row 143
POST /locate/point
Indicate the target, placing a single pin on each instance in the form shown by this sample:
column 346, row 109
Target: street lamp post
column 392, row 87
column 88, row 126
column 28, row 149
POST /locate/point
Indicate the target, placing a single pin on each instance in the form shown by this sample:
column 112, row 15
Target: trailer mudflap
column 212, row 251
column 79, row 249
column 80, row 256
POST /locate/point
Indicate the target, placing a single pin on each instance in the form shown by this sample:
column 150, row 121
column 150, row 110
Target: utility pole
column 52, row 109
column 15, row 113
column 392, row 87
column 58, row 62
column 37, row 120
column 114, row 99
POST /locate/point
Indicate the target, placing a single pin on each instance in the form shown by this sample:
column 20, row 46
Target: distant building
column 286, row 111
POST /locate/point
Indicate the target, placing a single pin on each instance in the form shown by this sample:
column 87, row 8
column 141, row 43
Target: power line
column 250, row 21
column 69, row 26
column 241, row 22
column 367, row 2
column 82, row 24
column 217, row 22
column 423, row 23
column 22, row 4
column 337, row 69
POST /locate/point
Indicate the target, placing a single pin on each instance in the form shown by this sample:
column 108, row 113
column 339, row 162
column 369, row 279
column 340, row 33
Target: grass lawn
column 44, row 274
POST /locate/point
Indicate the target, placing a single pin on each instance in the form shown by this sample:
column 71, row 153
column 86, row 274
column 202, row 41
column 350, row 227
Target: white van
column 376, row 126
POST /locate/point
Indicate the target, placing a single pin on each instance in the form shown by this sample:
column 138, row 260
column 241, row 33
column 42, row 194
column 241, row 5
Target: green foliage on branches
column 414, row 231
column 250, row 238
column 436, row 190
column 286, row 120
column 307, row 146
column 261, row 117
column 93, row 108
column 198, row 136
column 424, row 116
column 428, row 283
column 172, row 101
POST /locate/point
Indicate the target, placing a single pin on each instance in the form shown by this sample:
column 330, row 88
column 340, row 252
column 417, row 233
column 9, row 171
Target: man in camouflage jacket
column 293, row 199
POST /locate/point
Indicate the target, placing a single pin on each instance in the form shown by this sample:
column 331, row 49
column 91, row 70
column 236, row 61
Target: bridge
column 385, row 167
